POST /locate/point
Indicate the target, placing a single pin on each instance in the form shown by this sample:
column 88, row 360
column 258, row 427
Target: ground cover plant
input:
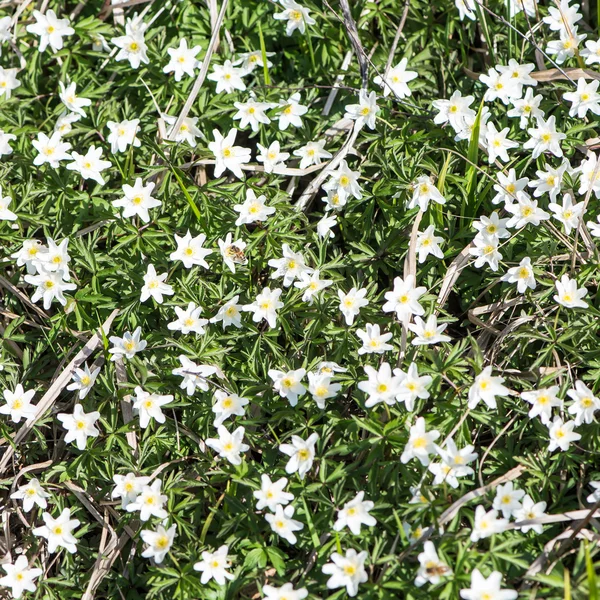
column 299, row 300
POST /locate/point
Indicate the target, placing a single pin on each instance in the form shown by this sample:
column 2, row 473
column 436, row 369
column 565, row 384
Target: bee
column 236, row 254
column 436, row 569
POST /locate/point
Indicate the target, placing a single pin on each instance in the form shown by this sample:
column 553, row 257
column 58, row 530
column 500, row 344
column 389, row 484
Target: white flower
column 454, row 464
column 321, row 388
column 188, row 320
column 404, row 299
column 226, row 405
column 486, row 388
column 420, row 443
column 272, row 157
column 591, row 52
column 373, row 341
column 590, row 176
column 301, row 453
column 354, row 514
column 150, row 502
column 250, row 60
column 562, row 16
column 595, row 495
column 183, row 60
column 585, row 404
column 32, row 493
column 290, row 266
column 312, row 284
column 154, row 286
column 291, row 111
column 214, row 565
column 252, row 113
column 51, row 30
column 344, row 181
column 585, row 98
column 51, row 150
column 336, row 199
column 18, row 404
column 544, row 138
column 487, row 524
column 325, row 225
column 5, row 139
column 127, row 346
column 149, row 406
column 194, row 375
column 561, row 434
column 508, row 499
column 8, row 81
column 365, row 112
column 227, row 155
column 253, row 209
column 381, row 385
column 285, row 592
column 188, row 130
column 312, row 153
column 424, row 192
column 568, row 214
column 283, row 524
column 396, row 80
column 431, row 568
column 128, row 487
column 271, row 493
column 568, row 294
column 519, row 76
column 549, row 180
column 346, row 571
column 265, row 306
column 229, row 314
column 486, row 250
column 542, row 402
column 55, row 259
column 528, row 511
column 83, row 380
column 566, row 46
column 428, row 332
column 454, row 111
column 89, row 165
column 79, row 426
column 487, row 589
column 497, row 144
column 159, row 542
column 288, row 384
column 526, row 108
column 137, row 200
column 352, row 302
column 412, row 386
column 122, row 135
column 297, row 17
column 30, row 255
column 49, row 286
column 500, row 86
column 190, row 250
column 522, row 275
column 65, row 121
column 70, row 99
column 132, row 46
column 19, row 576
column 428, row 243
column 229, row 445
column 227, row 77
column 59, row 531
column 525, row 211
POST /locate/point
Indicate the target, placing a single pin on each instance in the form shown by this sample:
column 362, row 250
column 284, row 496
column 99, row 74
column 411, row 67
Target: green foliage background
column 211, row 502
